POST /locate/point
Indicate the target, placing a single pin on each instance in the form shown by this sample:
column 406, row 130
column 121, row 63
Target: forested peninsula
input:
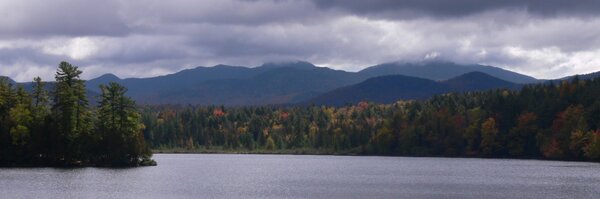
column 58, row 127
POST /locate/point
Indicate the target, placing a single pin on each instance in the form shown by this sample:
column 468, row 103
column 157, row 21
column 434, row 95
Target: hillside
column 388, row 89
column 583, row 76
column 384, row 89
column 438, row 70
column 477, row 81
column 270, row 83
column 275, row 86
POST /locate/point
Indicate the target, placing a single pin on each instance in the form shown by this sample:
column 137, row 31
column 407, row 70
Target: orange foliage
column 526, row 119
column 363, row 105
column 218, row 113
column 284, row 115
column 553, row 150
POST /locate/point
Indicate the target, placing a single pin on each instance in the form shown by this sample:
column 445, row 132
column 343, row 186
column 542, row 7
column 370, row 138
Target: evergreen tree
column 71, row 112
column 7, row 100
column 120, row 127
column 40, row 111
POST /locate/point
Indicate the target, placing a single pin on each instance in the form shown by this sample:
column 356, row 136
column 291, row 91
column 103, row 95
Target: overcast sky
column 149, row 38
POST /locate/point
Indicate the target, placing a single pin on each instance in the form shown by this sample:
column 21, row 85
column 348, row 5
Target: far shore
column 300, row 151
column 308, row 151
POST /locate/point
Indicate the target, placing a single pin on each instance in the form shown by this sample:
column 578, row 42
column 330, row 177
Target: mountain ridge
column 477, row 81
column 269, row 83
column 391, row 88
column 441, row 70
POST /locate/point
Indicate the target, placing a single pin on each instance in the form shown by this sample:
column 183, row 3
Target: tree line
column 53, row 124
column 554, row 120
column 57, row 126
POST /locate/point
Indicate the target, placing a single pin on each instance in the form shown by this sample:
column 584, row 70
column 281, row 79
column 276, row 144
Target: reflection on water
column 294, row 176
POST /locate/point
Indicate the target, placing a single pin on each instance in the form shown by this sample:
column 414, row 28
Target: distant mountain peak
column 477, row 81
column 381, row 89
column 108, row 77
column 94, row 84
column 435, row 61
column 442, row 70
column 225, row 66
column 288, row 64
column 583, row 76
column 7, row 79
column 476, row 74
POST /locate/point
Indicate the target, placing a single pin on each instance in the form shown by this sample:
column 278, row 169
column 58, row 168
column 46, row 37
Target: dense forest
column 59, row 128
column 553, row 120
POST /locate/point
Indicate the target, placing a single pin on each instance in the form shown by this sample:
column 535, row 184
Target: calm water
column 290, row 176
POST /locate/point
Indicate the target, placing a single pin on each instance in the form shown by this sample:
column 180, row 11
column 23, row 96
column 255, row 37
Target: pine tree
column 71, row 112
column 120, row 127
column 7, row 99
column 40, row 133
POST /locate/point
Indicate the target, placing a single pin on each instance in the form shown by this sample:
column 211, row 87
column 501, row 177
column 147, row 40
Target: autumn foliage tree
column 521, row 140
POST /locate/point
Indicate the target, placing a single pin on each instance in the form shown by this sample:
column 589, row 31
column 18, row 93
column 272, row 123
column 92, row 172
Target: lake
column 307, row 176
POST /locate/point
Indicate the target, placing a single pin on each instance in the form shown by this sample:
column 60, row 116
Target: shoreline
column 272, row 152
column 345, row 153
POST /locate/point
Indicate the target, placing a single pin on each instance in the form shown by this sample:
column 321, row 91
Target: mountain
column 277, row 86
column 94, row 84
column 274, row 83
column 270, row 83
column 292, row 64
column 7, row 79
column 383, row 89
column 439, row 70
column 184, row 78
column 584, row 76
column 477, row 81
column 297, row 81
column 391, row 88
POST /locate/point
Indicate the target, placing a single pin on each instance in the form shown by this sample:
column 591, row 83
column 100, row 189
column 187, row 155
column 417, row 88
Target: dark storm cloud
column 459, row 8
column 40, row 18
column 145, row 38
column 224, row 12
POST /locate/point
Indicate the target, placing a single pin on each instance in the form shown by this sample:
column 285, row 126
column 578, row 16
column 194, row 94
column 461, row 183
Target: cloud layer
column 148, row 38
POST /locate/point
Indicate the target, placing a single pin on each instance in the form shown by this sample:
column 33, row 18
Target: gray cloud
column 148, row 38
column 460, row 8
column 40, row 18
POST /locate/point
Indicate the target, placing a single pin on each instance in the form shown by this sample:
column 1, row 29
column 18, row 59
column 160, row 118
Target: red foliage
column 597, row 132
column 558, row 123
column 459, row 120
column 284, row 115
column 218, row 113
column 363, row 105
column 553, row 150
column 526, row 118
